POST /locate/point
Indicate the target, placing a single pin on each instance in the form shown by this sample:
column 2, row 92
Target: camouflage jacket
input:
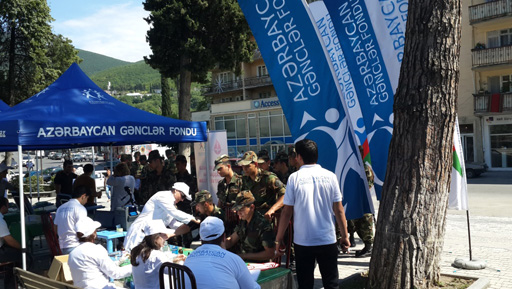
column 283, row 177
column 226, row 193
column 136, row 170
column 255, row 234
column 369, row 175
column 266, row 188
column 154, row 183
column 171, row 165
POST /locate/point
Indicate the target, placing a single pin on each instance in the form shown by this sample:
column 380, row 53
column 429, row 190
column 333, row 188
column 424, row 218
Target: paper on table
column 255, row 273
column 262, row 266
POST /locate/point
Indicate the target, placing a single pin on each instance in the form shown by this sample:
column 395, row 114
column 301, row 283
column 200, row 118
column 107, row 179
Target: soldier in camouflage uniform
column 160, row 178
column 264, row 161
column 205, row 207
column 363, row 226
column 254, row 234
column 266, row 187
column 229, row 187
column 281, row 167
column 137, row 167
column 170, row 162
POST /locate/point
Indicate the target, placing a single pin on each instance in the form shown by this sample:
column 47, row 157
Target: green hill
column 137, row 76
column 93, row 62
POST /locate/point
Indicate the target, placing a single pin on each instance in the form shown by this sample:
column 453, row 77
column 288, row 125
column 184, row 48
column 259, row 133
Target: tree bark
column 184, row 100
column 411, row 220
column 166, row 96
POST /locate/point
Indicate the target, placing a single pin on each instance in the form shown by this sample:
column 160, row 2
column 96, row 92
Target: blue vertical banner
column 372, row 37
column 308, row 90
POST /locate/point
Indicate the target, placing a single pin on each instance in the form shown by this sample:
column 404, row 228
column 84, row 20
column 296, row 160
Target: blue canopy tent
column 75, row 112
column 3, row 106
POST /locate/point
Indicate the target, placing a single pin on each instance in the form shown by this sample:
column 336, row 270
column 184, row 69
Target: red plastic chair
column 51, row 236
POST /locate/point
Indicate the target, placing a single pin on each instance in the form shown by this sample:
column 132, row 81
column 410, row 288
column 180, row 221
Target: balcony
column 492, row 56
column 247, row 83
column 493, row 103
column 489, row 10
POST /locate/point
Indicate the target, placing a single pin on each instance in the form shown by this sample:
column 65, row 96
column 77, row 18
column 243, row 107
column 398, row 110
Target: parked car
column 56, row 156
column 48, row 173
column 50, row 155
column 78, row 158
column 474, row 170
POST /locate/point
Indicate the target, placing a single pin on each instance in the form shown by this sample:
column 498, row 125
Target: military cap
column 153, row 155
column 243, row 198
column 201, row 197
column 249, row 157
column 220, row 161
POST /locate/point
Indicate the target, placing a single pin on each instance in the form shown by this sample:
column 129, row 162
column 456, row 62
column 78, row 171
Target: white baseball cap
column 184, row 188
column 156, row 227
column 4, row 167
column 86, row 226
column 211, row 228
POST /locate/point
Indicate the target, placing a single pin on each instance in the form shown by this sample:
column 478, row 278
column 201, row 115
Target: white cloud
column 117, row 31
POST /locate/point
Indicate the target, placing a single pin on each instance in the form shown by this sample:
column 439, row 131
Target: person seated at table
column 161, row 206
column 89, row 263
column 120, row 182
column 204, row 207
column 254, row 233
column 215, row 267
column 146, row 257
column 67, row 217
column 86, row 180
column 10, row 249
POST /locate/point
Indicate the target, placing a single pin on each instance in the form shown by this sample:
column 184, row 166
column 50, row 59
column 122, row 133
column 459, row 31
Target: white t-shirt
column 91, row 267
column 311, row 191
column 65, row 218
column 159, row 207
column 4, row 230
column 214, row 267
column 145, row 275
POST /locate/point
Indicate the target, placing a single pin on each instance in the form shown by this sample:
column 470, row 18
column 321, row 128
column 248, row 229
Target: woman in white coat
column 161, row 206
column 146, row 258
column 89, row 263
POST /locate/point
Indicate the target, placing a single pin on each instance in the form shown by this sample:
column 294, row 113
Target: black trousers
column 327, row 258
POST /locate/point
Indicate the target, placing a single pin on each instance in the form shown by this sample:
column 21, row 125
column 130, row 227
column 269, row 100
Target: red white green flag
column 458, row 189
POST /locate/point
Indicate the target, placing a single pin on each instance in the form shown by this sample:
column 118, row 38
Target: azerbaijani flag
column 458, row 188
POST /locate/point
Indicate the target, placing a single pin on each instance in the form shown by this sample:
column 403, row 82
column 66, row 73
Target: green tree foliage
column 94, row 62
column 132, row 77
column 31, row 56
column 189, row 37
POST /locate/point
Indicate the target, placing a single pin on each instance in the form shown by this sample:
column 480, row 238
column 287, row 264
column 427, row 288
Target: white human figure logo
column 346, row 158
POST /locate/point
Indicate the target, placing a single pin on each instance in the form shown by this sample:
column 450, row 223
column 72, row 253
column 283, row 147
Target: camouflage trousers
column 364, row 228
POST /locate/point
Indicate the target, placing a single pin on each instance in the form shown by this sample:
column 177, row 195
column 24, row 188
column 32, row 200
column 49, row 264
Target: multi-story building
column 485, row 87
column 248, row 109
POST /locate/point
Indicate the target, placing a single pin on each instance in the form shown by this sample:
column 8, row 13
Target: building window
column 505, row 83
column 499, row 38
column 225, row 76
column 264, row 124
column 266, row 94
column 262, row 71
column 501, row 145
column 251, row 119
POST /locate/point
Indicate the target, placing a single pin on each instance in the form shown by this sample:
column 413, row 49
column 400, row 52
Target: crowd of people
column 247, row 223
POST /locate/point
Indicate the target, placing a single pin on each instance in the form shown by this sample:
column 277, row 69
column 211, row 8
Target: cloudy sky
column 110, row 27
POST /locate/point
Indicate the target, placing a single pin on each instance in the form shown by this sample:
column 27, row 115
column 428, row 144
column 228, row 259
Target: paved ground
column 490, row 200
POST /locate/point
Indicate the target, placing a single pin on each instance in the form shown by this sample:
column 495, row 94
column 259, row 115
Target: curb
column 480, row 283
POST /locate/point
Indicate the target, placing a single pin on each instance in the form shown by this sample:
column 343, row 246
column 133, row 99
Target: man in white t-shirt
column 68, row 215
column 313, row 197
column 215, row 267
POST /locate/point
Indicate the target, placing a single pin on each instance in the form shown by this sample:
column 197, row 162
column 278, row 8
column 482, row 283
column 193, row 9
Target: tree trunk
column 184, row 100
column 11, row 76
column 166, row 96
column 411, row 220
